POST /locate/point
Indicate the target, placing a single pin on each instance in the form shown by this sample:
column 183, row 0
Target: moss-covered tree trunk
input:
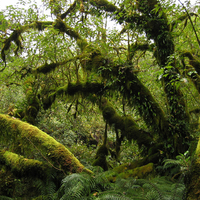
column 28, row 140
column 22, row 166
column 156, row 27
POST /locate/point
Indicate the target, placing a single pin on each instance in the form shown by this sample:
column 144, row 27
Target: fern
column 46, row 188
column 86, row 187
column 182, row 160
column 112, row 196
column 5, row 198
column 74, row 186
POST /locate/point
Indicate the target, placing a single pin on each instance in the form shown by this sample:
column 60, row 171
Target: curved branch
column 16, row 34
column 70, row 9
column 103, row 5
column 28, row 137
column 195, row 62
column 22, row 166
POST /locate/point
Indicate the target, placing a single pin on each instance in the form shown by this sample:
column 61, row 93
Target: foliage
column 131, row 64
column 182, row 161
column 80, row 186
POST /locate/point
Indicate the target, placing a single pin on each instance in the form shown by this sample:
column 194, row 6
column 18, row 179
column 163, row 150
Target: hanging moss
column 33, row 106
column 31, row 138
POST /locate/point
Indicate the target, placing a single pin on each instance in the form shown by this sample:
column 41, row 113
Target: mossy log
column 22, row 166
column 138, row 172
column 24, row 137
column 128, row 170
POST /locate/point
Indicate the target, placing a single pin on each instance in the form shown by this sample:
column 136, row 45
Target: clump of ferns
column 81, row 186
column 5, row 198
column 182, row 162
column 46, row 187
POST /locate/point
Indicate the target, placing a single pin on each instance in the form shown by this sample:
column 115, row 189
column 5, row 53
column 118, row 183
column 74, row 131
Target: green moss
column 128, row 166
column 48, row 100
column 126, row 124
column 100, row 159
column 46, row 68
column 30, row 138
column 22, row 166
column 138, row 172
column 104, row 5
column 103, row 150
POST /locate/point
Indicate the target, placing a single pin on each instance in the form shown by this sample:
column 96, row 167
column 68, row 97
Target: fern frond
column 5, row 198
column 111, row 195
column 170, row 163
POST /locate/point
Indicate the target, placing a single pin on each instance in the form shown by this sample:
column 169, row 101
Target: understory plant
column 84, row 186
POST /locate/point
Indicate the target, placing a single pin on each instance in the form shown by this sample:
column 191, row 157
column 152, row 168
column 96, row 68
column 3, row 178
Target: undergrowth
column 83, row 186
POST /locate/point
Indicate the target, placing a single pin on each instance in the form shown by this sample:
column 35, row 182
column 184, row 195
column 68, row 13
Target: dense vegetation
column 100, row 100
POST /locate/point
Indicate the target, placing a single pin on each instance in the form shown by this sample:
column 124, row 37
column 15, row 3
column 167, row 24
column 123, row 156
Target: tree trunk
column 30, row 141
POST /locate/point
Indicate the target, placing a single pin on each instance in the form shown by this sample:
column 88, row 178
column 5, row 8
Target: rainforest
column 99, row 99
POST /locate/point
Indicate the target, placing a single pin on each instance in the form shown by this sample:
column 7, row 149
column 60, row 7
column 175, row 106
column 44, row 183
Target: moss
column 128, row 166
column 84, row 88
column 48, row 100
column 110, row 115
column 103, row 150
column 100, row 159
column 21, row 166
column 30, row 138
column 138, row 172
column 126, row 124
column 104, row 5
column 16, row 34
column 194, row 61
column 46, row 68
